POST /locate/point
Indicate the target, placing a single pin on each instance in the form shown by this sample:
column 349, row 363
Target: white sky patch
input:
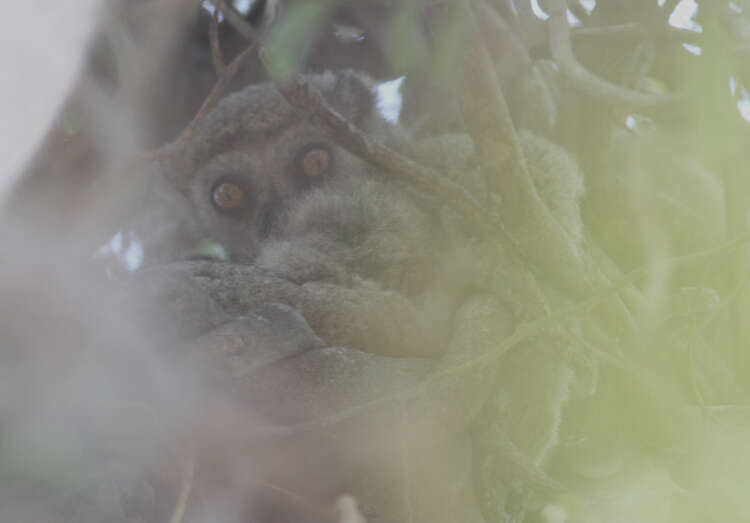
column 693, row 49
column 661, row 3
column 589, row 5
column 732, row 85
column 734, row 7
column 243, row 6
column 630, row 122
column 682, row 16
column 573, row 19
column 743, row 105
column 389, row 100
column 133, row 257
column 112, row 247
column 208, row 6
column 538, row 11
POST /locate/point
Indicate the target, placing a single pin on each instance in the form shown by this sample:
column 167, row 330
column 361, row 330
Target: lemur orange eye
column 316, row 162
column 229, row 197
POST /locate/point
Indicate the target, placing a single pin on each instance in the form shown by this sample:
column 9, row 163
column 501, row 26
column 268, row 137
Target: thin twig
column 187, row 485
column 236, row 20
column 632, row 29
column 213, row 97
column 213, row 37
column 225, row 75
column 218, row 89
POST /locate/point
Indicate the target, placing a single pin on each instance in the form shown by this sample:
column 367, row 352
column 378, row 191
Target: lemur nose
column 264, row 221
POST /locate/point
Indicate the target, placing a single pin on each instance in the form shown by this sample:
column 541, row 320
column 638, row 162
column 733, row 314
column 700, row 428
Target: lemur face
column 253, row 159
column 277, row 192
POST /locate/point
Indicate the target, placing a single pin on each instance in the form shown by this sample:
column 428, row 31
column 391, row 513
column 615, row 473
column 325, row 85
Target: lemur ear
column 351, row 93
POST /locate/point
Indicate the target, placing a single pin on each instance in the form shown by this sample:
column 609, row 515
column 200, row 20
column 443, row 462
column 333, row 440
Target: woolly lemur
column 338, row 290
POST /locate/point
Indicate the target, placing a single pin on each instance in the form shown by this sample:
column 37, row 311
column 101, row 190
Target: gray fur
column 558, row 180
column 354, row 246
column 364, row 292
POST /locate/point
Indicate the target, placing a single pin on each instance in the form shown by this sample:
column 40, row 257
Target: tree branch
column 237, row 21
column 580, row 77
column 501, row 156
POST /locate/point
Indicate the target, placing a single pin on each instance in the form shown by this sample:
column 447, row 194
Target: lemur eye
column 316, row 162
column 229, row 196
